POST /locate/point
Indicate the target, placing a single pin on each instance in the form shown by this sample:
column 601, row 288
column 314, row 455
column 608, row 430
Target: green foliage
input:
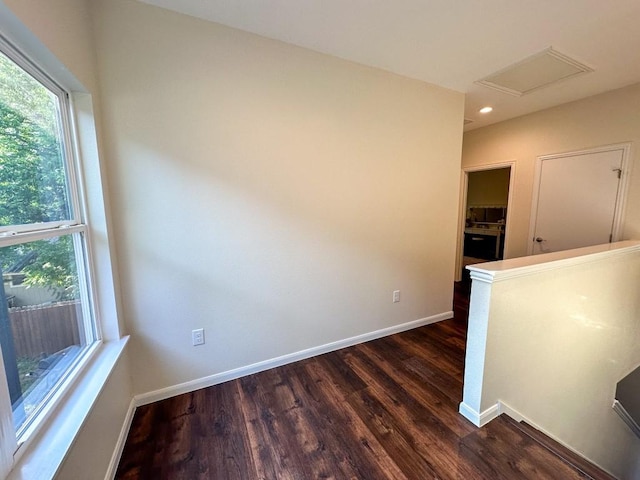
column 53, row 266
column 33, row 179
column 32, row 176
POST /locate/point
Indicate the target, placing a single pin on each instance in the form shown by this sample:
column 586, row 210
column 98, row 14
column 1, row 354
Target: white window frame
column 12, row 443
column 67, row 134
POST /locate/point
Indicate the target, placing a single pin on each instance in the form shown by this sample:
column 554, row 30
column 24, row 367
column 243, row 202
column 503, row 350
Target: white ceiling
column 452, row 43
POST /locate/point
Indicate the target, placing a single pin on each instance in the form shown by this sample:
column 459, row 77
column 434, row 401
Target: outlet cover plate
column 197, row 336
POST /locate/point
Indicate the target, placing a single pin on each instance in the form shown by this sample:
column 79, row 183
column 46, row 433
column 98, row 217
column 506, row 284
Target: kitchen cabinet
column 484, row 243
column 484, row 232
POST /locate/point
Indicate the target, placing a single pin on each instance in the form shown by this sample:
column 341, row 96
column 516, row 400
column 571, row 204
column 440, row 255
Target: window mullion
column 14, row 238
column 12, row 230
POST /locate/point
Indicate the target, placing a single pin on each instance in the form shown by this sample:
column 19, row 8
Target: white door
column 578, row 198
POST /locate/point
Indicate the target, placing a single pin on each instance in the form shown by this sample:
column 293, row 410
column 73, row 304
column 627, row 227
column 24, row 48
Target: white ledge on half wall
column 491, row 272
column 546, row 330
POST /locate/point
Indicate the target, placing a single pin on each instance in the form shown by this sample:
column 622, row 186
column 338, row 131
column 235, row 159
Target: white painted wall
column 549, row 337
column 269, row 194
column 605, row 119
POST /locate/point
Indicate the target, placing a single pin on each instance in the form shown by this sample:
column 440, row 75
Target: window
column 47, row 324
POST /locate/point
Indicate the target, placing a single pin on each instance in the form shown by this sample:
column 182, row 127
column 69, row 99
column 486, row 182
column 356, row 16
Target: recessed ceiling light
column 486, row 110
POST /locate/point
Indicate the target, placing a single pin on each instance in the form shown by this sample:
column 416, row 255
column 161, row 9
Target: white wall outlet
column 197, row 336
column 396, row 296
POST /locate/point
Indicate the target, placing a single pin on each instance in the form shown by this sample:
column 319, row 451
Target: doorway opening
column 484, row 220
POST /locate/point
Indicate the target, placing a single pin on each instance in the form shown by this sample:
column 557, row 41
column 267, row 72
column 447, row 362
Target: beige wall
column 93, row 448
column 269, row 194
column 64, row 27
column 605, row 119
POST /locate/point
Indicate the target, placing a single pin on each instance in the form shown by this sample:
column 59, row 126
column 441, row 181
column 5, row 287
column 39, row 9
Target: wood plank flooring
column 386, row 409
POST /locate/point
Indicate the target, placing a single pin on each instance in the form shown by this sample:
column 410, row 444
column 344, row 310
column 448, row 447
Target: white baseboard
column 122, row 438
column 210, row 380
column 517, row 416
column 479, row 419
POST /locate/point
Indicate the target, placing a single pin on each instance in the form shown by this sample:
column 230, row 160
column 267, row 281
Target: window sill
column 44, row 454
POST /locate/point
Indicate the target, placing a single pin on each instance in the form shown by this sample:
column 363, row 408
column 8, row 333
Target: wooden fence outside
column 45, row 329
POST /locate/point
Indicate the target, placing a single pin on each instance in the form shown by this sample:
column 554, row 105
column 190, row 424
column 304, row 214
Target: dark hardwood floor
column 386, row 409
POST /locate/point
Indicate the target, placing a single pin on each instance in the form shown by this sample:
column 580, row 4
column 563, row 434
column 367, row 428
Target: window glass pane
column 33, row 184
column 42, row 318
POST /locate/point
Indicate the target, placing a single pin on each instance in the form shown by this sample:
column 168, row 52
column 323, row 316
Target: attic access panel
column 538, row 71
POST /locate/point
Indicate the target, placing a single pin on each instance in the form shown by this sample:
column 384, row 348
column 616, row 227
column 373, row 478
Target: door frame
column 621, row 197
column 462, row 213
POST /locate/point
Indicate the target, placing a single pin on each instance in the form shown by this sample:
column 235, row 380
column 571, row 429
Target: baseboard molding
column 122, row 438
column 479, row 419
column 518, row 417
column 208, row 381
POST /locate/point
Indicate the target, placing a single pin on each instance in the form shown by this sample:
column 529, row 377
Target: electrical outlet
column 197, row 336
column 396, row 296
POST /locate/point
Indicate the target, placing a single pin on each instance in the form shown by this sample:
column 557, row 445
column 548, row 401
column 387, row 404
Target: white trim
column 479, row 419
column 626, row 418
column 507, row 410
column 621, row 198
column 469, row 413
column 462, row 208
column 57, row 395
column 33, row 70
column 210, row 380
column 46, row 452
column 623, row 190
column 71, row 227
column 524, row 266
column 17, row 34
column 122, row 440
column 14, row 237
column 100, row 260
column 533, row 216
column 518, row 417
